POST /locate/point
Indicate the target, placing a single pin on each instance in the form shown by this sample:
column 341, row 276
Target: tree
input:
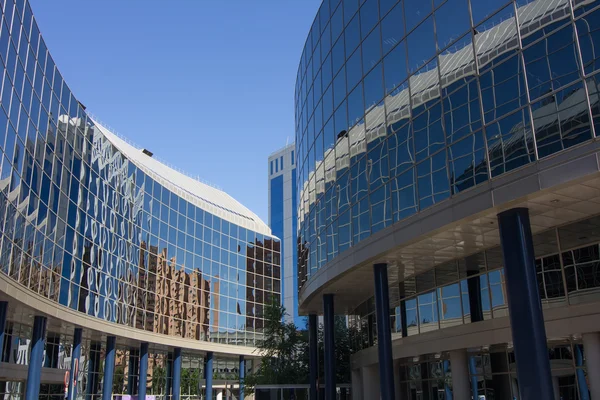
column 118, row 379
column 285, row 351
column 345, row 345
column 281, row 352
column 190, row 379
column 159, row 380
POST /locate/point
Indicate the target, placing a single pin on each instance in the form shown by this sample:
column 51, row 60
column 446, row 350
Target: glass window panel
column 551, row 62
column 374, row 86
column 404, row 196
column 502, row 86
column 340, row 120
column 345, row 233
column 468, row 164
column 395, row 68
column 498, row 292
column 371, row 50
column 593, row 85
column 428, row 312
column 449, row 303
column 352, row 35
column 416, row 11
column 425, row 281
column 510, row 143
column 386, row 5
column 381, row 208
column 446, row 273
column 377, row 166
column 412, row 317
column 326, row 42
column 338, row 55
column 359, row 179
column 356, row 106
column 400, row 146
column 339, row 88
column 561, row 120
column 428, row 131
column 456, row 11
column 588, row 30
column 337, row 23
column 549, row 276
column 421, row 44
column 354, row 71
column 392, row 27
column 462, row 113
column 350, row 8
column 483, row 9
column 361, row 224
column 369, row 15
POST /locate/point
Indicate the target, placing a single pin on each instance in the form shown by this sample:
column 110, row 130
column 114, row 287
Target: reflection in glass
column 461, row 103
column 428, row 312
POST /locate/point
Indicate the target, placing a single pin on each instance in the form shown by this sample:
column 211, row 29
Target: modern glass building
column 119, row 275
column 283, row 223
column 448, row 183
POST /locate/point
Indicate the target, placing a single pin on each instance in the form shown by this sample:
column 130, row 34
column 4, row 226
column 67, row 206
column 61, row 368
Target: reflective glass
column 352, row 35
column 392, row 28
column 449, row 303
column 395, row 67
column 421, row 44
column 588, row 31
column 428, row 312
column 561, row 120
column 456, row 11
column 371, row 49
column 416, row 11
column 444, row 105
column 83, row 195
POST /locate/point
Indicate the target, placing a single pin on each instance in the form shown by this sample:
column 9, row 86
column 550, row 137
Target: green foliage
column 285, row 351
column 159, row 380
column 281, row 350
column 118, row 380
column 189, row 381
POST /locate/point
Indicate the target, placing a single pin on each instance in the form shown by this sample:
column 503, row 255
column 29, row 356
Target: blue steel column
column 242, row 376
column 329, row 346
column 109, row 367
column 208, row 374
column 3, row 316
column 384, row 332
column 142, row 380
column 176, row 373
column 524, row 305
column 34, row 371
column 75, row 355
column 313, row 355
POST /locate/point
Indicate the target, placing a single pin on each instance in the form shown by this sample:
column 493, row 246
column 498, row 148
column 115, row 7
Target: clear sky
column 207, row 85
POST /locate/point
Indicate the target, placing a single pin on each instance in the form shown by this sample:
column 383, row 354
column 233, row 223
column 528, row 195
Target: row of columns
column 527, row 324
column 173, row 389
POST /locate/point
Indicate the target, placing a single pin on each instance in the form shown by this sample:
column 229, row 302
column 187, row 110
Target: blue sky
column 207, row 85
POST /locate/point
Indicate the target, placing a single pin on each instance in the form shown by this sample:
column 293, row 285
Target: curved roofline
column 208, row 198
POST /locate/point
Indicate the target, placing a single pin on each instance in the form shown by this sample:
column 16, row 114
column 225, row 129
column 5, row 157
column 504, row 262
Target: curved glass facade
column 401, row 105
column 90, row 228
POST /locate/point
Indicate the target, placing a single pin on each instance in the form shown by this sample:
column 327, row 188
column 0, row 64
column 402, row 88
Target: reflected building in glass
column 448, row 183
column 114, row 266
column 283, row 222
